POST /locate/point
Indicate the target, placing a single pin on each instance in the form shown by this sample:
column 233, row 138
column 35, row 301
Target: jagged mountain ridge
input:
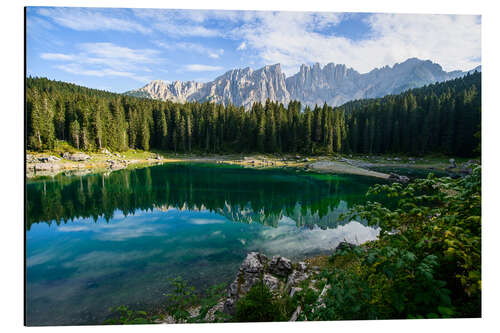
column 334, row 84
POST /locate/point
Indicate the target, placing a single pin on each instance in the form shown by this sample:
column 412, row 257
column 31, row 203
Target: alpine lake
column 107, row 239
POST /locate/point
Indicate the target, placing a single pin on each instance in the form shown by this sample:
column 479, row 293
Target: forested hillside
column 440, row 118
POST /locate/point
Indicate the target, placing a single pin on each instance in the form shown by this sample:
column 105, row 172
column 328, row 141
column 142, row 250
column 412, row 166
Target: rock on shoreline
column 279, row 274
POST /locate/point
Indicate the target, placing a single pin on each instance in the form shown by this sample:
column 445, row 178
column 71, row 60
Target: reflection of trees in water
column 244, row 195
column 307, row 218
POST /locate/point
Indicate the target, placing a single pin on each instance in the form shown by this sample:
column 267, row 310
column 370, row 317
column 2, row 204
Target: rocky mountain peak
column 313, row 84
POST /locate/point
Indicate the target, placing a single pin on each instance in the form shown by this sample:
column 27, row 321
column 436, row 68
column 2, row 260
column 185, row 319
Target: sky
column 118, row 49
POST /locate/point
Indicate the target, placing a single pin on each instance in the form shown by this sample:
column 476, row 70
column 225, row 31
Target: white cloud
column 295, row 38
column 184, row 30
column 80, row 70
column 191, row 47
column 202, row 68
column 110, row 51
column 177, row 23
column 289, row 38
column 106, row 59
column 56, row 56
column 242, row 46
column 87, row 19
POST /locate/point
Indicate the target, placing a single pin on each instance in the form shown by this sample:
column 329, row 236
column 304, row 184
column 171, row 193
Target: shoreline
column 51, row 163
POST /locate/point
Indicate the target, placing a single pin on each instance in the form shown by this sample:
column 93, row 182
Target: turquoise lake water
column 102, row 240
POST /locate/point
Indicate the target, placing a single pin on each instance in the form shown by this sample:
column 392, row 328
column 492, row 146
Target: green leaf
column 445, row 311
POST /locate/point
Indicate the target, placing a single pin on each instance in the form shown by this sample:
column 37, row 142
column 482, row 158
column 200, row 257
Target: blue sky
column 121, row 49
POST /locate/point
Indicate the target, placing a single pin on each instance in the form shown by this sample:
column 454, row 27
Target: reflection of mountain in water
column 302, row 218
column 241, row 195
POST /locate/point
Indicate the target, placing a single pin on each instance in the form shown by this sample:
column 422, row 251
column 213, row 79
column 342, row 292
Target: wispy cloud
column 191, row 47
column 56, row 56
column 202, row 68
column 185, row 30
column 39, row 29
column 177, row 23
column 87, row 19
column 106, row 59
column 80, row 70
column 257, row 38
column 110, row 51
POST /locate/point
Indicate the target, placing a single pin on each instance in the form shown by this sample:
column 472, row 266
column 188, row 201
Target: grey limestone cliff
column 333, row 83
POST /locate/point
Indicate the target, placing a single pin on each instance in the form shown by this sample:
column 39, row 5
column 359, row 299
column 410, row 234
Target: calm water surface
column 104, row 240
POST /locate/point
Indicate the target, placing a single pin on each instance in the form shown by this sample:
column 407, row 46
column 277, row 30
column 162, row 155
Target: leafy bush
column 213, row 295
column 258, row 305
column 182, row 297
column 426, row 262
column 126, row 316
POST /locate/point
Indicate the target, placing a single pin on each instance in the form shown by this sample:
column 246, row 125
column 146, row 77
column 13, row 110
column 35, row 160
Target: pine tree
column 261, row 133
column 74, row 132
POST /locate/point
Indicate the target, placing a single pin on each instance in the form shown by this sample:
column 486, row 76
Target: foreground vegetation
column 425, row 264
column 439, row 118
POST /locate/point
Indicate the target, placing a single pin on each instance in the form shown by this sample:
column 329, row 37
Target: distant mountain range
column 333, row 84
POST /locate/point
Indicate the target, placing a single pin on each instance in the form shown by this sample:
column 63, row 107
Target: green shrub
column 258, row 305
column 123, row 315
column 180, row 299
column 426, row 262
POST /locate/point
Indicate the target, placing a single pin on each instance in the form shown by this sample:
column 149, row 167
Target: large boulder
column 250, row 272
column 116, row 164
column 272, row 272
column 398, row 178
column 280, row 266
column 295, row 278
column 453, row 164
column 77, row 157
column 271, row 282
column 31, row 159
column 48, row 159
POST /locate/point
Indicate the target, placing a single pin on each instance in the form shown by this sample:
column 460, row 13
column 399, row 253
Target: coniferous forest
column 439, row 118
